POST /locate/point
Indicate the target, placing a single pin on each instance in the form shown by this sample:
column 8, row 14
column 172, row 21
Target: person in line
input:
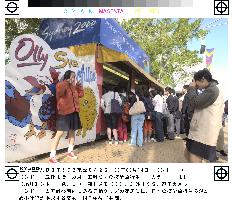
column 165, row 115
column 207, row 118
column 137, row 120
column 123, row 120
column 177, row 113
column 170, row 113
column 68, row 93
column 157, row 101
column 147, row 127
column 111, row 119
column 221, row 142
column 187, row 112
column 181, row 100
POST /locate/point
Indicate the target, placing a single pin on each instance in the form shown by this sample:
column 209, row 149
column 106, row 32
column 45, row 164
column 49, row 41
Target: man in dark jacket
column 171, row 105
column 177, row 113
column 187, row 112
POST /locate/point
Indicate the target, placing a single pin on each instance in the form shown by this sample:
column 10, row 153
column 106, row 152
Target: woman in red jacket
column 68, row 93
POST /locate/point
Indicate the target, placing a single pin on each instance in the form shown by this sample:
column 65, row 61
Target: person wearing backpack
column 110, row 117
column 137, row 110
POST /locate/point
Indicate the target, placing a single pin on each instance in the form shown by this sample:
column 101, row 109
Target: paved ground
column 101, row 152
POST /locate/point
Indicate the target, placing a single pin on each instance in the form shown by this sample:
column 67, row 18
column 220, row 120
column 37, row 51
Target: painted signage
column 30, row 100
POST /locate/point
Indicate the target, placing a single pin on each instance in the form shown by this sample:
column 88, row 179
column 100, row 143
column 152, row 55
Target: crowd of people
column 151, row 115
column 196, row 112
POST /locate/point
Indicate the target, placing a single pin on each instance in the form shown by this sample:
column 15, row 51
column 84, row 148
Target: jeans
column 137, row 127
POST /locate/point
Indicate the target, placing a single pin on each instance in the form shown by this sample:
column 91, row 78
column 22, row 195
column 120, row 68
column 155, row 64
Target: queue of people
column 197, row 114
column 151, row 115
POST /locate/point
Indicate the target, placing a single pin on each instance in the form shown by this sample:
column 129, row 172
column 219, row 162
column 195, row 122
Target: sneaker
column 155, row 141
column 132, row 145
column 71, row 155
column 53, row 160
column 121, row 142
column 110, row 142
column 116, row 142
column 222, row 152
column 152, row 139
column 124, row 141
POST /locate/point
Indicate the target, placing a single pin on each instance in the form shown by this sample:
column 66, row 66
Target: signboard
column 60, row 33
column 30, row 83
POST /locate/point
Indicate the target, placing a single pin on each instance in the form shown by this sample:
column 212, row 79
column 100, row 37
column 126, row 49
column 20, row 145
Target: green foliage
column 165, row 41
column 16, row 27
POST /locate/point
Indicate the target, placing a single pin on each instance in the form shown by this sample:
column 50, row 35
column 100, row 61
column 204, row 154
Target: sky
column 217, row 38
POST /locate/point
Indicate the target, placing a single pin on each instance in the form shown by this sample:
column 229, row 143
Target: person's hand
column 78, row 83
column 193, row 83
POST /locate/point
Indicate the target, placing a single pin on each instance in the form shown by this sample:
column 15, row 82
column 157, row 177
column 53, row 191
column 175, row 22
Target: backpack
column 115, row 106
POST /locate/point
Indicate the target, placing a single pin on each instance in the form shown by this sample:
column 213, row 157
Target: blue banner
column 59, row 33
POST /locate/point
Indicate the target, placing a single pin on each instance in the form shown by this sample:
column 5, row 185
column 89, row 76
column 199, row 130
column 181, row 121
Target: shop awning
column 59, row 33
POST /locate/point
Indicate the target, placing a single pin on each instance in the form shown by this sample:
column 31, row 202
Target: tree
column 165, row 41
column 16, row 27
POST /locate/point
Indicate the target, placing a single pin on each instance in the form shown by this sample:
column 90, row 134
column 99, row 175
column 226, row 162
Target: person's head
column 146, row 93
column 70, row 75
column 185, row 89
column 130, row 94
column 110, row 88
column 167, row 91
column 139, row 91
column 202, row 78
column 161, row 92
column 173, row 92
column 123, row 90
column 117, row 89
column 153, row 93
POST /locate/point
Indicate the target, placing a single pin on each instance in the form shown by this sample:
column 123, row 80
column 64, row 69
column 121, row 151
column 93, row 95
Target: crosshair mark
column 11, row 7
column 221, row 7
column 11, row 173
column 221, row 173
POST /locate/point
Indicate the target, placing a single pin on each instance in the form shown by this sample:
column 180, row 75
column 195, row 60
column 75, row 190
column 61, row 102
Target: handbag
column 137, row 108
column 115, row 106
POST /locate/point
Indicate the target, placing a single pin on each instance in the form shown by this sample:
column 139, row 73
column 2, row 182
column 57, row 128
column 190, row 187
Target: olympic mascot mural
column 30, row 96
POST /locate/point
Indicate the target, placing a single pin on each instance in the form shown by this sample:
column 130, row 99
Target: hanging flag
column 209, row 57
column 202, row 50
